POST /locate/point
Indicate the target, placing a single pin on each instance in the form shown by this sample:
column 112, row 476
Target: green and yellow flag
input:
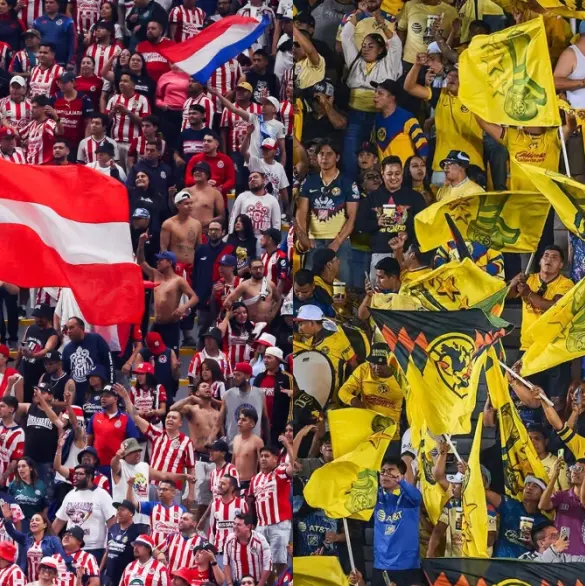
column 350, row 427
column 558, row 334
column 348, row 486
column 452, row 286
column 518, row 454
column 503, row 220
column 475, row 517
column 506, row 78
column 441, row 354
column 318, row 571
column 566, row 196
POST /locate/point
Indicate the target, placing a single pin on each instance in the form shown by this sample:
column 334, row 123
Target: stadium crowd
column 156, row 453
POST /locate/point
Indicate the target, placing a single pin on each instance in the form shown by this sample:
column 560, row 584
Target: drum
column 315, row 375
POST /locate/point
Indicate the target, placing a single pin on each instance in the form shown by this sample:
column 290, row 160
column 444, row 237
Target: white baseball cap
column 18, row 79
column 182, row 196
column 456, row 478
column 274, row 102
column 269, row 143
column 309, row 313
column 434, row 48
column 276, row 352
column 266, row 340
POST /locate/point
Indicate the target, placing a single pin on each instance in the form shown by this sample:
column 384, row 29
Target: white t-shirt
column 263, row 210
column 274, row 173
column 141, row 474
column 88, row 509
column 264, row 129
column 107, row 170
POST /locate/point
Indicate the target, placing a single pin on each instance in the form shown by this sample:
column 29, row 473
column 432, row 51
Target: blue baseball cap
column 167, row 255
column 229, row 260
column 141, row 213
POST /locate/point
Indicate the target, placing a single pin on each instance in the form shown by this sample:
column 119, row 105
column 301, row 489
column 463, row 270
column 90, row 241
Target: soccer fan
column 156, row 64
column 105, row 163
column 105, row 46
column 145, row 568
column 10, row 572
column 86, row 153
column 39, row 134
column 16, row 108
column 179, row 549
column 190, row 141
column 82, row 560
column 59, row 30
column 224, row 508
column 8, row 149
column 12, row 438
column 24, row 60
column 197, row 96
column 44, row 75
column 212, row 340
column 185, row 21
column 150, row 132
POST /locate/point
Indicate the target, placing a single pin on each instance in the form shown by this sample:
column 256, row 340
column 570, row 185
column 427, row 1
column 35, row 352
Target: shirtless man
column 246, row 447
column 208, row 204
column 168, row 309
column 258, row 293
column 181, row 234
column 202, row 417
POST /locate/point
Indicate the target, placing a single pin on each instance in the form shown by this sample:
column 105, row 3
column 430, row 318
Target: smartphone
column 565, row 532
column 368, row 280
column 578, row 396
column 561, row 453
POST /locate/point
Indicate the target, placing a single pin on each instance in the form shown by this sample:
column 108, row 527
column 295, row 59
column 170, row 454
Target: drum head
column 314, row 374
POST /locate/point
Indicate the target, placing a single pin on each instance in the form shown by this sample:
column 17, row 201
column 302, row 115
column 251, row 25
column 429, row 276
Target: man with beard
column 191, row 137
column 168, row 309
column 82, row 354
column 178, row 550
column 39, row 339
column 208, row 204
column 145, row 569
column 156, row 64
column 197, row 97
column 259, row 294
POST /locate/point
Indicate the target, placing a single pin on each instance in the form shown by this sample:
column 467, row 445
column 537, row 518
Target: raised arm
column 148, row 270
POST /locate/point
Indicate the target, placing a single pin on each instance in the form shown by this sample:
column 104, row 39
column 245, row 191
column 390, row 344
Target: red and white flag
column 69, row 227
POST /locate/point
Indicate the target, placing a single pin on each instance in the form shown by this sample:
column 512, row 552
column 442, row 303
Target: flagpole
column 525, row 383
column 530, row 261
column 348, row 542
column 452, row 446
column 564, row 149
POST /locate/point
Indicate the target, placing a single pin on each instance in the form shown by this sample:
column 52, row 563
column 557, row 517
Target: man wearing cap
column 457, row 182
column 195, row 127
column 275, row 260
column 263, row 82
column 218, row 452
column 121, row 536
column 24, row 60
column 212, row 340
column 57, row 378
column 228, row 281
column 76, row 559
column 105, row 46
column 145, row 569
column 15, row 109
column 8, row 149
column 88, row 457
column 104, row 163
column 208, row 202
column 205, row 570
column 10, row 572
column 38, row 340
column 168, row 309
column 48, row 571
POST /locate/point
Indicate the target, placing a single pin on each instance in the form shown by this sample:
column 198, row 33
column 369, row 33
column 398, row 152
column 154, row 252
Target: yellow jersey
column 407, row 277
column 563, row 479
column 541, row 150
column 466, row 187
column 319, row 282
column 307, row 75
column 558, row 286
column 574, row 441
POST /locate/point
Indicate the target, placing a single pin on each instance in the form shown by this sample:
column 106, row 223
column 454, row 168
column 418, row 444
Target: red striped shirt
column 164, row 521
column 87, row 147
column 12, row 576
column 275, row 266
column 204, row 101
column 5, row 50
column 124, row 129
column 237, row 347
column 44, row 81
column 31, row 10
column 217, row 474
column 17, row 114
column 221, row 519
column 138, row 147
column 287, row 117
column 179, row 551
column 101, row 54
column 87, row 13
column 271, row 492
column 11, row 446
column 82, row 559
column 41, row 137
column 21, row 57
column 170, row 454
column 152, row 573
column 199, row 357
column 237, row 127
column 190, row 21
column 17, row 156
column 225, row 79
column 251, row 558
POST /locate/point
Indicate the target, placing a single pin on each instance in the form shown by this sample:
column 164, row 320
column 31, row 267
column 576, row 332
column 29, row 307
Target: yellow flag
column 350, row 427
column 566, row 195
column 502, row 220
column 318, row 571
column 518, row 454
column 455, row 285
column 566, row 8
column 468, row 14
column 475, row 516
column 348, row 486
column 558, row 334
column 506, row 78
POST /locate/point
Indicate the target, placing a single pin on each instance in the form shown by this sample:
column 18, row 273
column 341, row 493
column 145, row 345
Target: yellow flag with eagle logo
column 506, row 77
column 318, row 570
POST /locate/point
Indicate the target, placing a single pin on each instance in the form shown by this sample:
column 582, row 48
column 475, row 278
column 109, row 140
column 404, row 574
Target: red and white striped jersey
column 12, row 575
column 225, row 79
column 288, row 75
column 237, row 127
column 31, row 10
column 5, row 51
column 251, row 558
column 237, row 346
column 138, row 147
column 170, row 454
column 147, row 399
column 17, row 516
column 11, row 447
column 199, row 357
column 204, row 101
column 258, row 12
column 124, row 129
column 275, row 266
column 87, row 13
column 82, row 559
column 101, row 54
column 218, row 473
column 221, row 519
column 287, row 117
column 271, row 492
column 40, row 137
column 17, row 114
column 17, row 156
column 189, row 20
column 179, row 551
column 164, row 521
column 152, row 573
column 44, row 81
column 23, row 60
column 87, row 147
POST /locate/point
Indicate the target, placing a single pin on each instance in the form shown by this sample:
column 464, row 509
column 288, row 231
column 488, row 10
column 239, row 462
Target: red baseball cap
column 7, row 552
column 6, row 132
column 244, row 368
column 144, row 368
column 154, row 343
column 5, row 351
column 183, row 573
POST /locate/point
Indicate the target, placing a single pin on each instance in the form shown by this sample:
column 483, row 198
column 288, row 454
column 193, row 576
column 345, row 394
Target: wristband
column 213, row 564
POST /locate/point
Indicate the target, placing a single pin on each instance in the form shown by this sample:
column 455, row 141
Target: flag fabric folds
column 506, row 77
column 441, row 354
column 558, row 334
column 455, row 285
column 475, row 516
column 518, row 454
column 502, row 220
column 348, row 486
column 215, row 45
column 566, row 8
column 318, row 570
column 73, row 223
column 566, row 195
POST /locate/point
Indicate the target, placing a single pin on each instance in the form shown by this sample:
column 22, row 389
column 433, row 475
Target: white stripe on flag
column 75, row 242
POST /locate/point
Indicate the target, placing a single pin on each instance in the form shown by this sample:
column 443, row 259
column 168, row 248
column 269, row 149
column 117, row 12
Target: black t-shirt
column 33, row 368
column 57, row 384
column 314, row 127
column 120, row 550
column 264, row 85
column 40, row 436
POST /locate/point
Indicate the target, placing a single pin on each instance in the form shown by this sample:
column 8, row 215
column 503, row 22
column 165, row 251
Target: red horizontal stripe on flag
column 107, row 294
column 74, row 191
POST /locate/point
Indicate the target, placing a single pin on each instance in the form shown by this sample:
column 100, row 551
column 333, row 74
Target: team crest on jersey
column 382, row 388
column 163, row 174
column 335, row 191
column 118, row 424
column 162, row 359
column 59, row 22
column 381, row 134
column 92, row 88
column 118, row 537
column 176, row 444
column 124, row 539
column 220, row 164
column 464, row 109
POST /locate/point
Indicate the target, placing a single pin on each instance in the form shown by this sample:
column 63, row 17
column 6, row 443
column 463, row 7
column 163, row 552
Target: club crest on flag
column 363, row 492
column 452, row 355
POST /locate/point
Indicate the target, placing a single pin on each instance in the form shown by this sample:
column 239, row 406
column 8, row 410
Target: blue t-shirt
column 396, row 521
column 515, row 526
column 310, row 532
